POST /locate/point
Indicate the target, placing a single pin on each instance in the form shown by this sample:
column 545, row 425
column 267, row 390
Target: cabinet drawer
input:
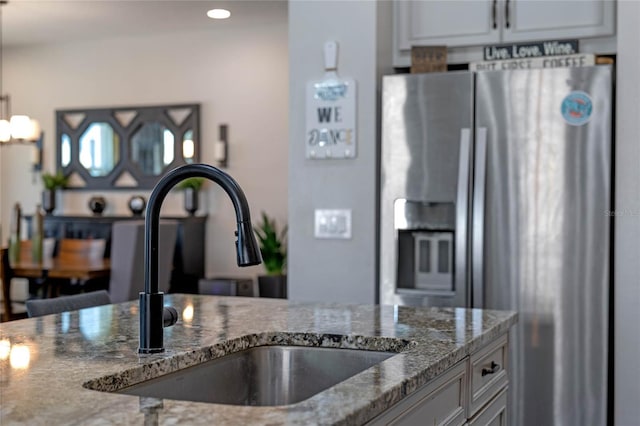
column 494, row 414
column 439, row 402
column 488, row 373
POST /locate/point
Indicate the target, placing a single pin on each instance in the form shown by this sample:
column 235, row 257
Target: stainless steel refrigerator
column 496, row 188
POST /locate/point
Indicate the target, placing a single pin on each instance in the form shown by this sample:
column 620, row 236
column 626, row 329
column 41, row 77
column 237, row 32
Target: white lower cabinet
column 488, row 374
column 442, row 401
column 494, row 413
column 471, row 393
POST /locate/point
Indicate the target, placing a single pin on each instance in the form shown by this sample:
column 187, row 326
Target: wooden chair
column 47, row 248
column 75, row 250
column 7, row 275
column 40, row 307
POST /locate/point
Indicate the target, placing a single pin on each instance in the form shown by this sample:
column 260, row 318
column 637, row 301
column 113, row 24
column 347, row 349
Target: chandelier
column 14, row 128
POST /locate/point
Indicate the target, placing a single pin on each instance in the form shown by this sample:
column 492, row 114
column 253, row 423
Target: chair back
column 127, row 258
column 6, row 272
column 5, row 267
column 72, row 249
column 48, row 247
column 40, row 307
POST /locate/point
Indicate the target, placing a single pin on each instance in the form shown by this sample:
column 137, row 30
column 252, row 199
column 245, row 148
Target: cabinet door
column 526, row 20
column 440, row 402
column 441, row 22
column 482, row 22
column 494, row 413
column 488, row 373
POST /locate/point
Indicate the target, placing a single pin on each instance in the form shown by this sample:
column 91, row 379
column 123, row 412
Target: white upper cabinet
column 458, row 23
column 542, row 19
column 451, row 23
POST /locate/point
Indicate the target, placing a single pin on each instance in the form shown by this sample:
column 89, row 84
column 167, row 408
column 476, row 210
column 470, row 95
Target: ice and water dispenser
column 425, row 250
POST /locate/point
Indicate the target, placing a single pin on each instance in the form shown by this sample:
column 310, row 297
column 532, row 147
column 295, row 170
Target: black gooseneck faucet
column 153, row 315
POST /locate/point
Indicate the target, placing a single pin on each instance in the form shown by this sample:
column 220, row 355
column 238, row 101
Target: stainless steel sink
column 261, row 376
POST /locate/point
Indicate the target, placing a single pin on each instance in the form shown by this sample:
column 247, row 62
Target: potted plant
column 274, row 258
column 191, row 187
column 51, row 183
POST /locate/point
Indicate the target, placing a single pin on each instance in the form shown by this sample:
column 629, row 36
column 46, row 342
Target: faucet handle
column 169, row 316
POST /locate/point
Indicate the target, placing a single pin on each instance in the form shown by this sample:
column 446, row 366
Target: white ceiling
column 55, row 21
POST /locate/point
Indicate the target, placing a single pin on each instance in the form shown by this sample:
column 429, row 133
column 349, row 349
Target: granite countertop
column 46, row 362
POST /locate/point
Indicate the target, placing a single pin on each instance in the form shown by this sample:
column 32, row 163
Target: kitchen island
column 50, row 365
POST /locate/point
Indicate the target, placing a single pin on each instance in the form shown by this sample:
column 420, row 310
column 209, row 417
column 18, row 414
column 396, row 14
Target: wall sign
column 331, row 112
column 530, row 50
column 561, row 61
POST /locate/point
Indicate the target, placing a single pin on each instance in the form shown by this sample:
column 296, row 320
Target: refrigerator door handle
column 477, row 220
column 462, row 217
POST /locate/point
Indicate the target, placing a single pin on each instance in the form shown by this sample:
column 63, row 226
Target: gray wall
column 334, row 270
column 627, row 223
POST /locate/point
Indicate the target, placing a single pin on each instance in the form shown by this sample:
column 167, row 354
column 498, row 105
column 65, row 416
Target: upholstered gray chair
column 127, row 258
column 40, row 307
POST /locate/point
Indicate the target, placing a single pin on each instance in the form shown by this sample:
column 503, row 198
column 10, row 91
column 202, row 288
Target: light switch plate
column 332, row 223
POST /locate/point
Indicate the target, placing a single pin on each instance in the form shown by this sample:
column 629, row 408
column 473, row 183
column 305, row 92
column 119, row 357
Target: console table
column 188, row 259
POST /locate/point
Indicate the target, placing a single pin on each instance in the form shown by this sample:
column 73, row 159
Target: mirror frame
column 125, row 130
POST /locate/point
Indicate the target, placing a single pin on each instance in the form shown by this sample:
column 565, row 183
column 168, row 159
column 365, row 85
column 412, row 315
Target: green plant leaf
column 54, row 181
column 194, row 182
column 272, row 245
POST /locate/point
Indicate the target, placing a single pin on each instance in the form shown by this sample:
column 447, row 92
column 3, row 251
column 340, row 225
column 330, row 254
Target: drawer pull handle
column 494, row 368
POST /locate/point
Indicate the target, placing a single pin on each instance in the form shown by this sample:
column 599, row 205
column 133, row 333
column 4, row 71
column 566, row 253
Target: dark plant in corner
column 274, row 257
column 52, row 182
column 191, row 187
column 272, row 245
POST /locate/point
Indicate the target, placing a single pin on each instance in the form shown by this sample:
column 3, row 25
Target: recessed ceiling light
column 218, row 13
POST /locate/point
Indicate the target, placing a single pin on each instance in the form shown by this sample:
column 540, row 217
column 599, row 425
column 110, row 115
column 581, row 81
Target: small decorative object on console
column 137, row 203
column 97, row 205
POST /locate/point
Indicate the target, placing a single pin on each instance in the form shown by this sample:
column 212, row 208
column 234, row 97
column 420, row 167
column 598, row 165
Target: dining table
column 82, row 268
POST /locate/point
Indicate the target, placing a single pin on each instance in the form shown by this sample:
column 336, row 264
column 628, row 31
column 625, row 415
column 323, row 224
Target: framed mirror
column 127, row 147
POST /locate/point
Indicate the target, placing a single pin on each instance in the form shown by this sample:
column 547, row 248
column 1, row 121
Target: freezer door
column 546, row 248
column 425, row 179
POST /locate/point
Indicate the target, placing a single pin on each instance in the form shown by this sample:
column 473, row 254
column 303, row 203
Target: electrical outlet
column 332, row 224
